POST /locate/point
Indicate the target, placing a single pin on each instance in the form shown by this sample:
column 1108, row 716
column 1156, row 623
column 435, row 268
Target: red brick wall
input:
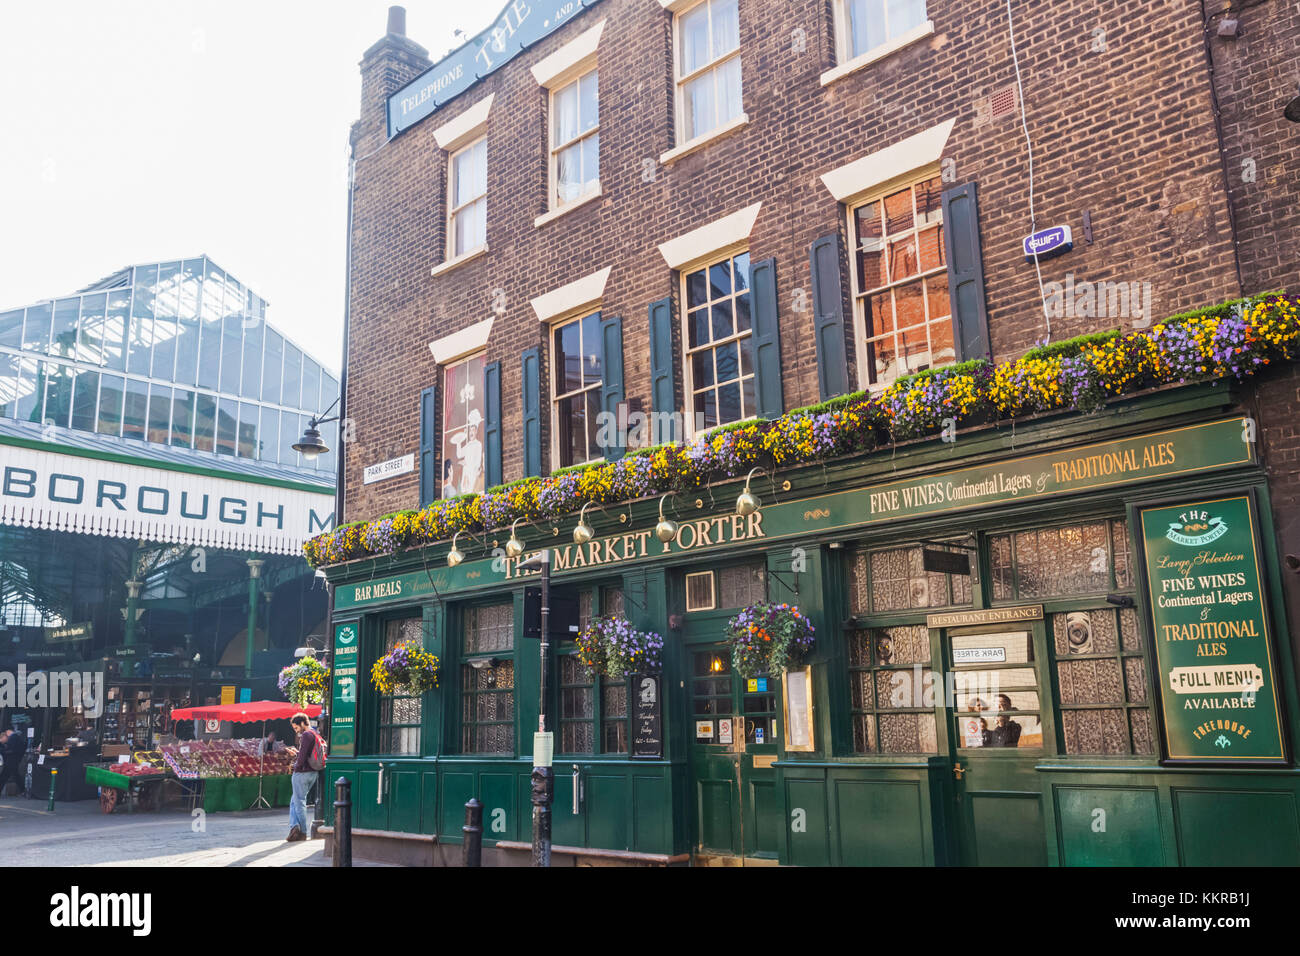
column 1125, row 133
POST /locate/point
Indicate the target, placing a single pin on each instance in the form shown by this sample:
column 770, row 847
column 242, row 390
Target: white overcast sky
column 143, row 130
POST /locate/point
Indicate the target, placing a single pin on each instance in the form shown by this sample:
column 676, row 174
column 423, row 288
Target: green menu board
column 343, row 709
column 1214, row 652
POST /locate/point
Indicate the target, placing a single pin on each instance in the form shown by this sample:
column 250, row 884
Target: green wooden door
column 733, row 744
column 999, row 725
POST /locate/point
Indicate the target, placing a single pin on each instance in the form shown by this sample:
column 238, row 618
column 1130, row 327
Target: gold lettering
column 755, row 529
column 702, row 533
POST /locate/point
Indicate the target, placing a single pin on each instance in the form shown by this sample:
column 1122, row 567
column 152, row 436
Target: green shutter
column 429, row 475
column 828, row 317
column 961, row 240
column 611, row 363
column 767, row 340
column 492, row 427
column 663, row 369
column 532, row 406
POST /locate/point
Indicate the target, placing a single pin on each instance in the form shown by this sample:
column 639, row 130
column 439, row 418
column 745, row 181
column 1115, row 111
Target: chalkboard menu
column 647, row 719
column 1210, row 622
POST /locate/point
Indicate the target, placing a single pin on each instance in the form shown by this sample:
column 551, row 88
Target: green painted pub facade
column 1061, row 643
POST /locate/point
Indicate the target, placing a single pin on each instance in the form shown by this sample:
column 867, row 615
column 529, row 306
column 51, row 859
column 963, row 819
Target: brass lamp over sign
column 747, row 502
column 666, row 529
column 583, row 532
column 514, row 547
column 455, row 556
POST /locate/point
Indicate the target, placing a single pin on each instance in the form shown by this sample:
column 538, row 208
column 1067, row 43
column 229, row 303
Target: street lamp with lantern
column 310, row 445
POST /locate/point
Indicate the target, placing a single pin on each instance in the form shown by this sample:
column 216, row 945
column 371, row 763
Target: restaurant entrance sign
column 1215, row 669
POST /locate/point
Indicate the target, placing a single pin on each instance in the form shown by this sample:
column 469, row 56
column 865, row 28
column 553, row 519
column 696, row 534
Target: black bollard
column 471, row 850
column 343, row 822
column 543, row 790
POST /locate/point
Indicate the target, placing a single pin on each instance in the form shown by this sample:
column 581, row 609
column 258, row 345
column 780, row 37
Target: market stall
column 236, row 774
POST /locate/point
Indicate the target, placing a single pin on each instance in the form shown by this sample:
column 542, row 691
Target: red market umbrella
column 246, row 713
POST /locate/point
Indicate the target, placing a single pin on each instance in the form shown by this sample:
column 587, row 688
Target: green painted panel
column 880, row 823
column 567, row 828
column 1237, row 828
column 429, row 801
column 717, row 808
column 652, row 815
column 1104, row 826
column 805, row 804
column 457, row 788
column 607, row 801
column 343, row 709
column 500, row 816
column 403, row 801
column 763, row 821
column 1008, row 829
column 367, row 812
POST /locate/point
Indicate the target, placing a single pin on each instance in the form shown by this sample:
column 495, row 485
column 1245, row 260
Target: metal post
column 342, row 822
column 54, row 778
column 543, row 780
column 471, row 850
column 254, row 572
column 132, row 600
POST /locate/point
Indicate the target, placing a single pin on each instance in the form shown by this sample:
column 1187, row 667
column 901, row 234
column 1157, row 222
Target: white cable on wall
column 1029, row 149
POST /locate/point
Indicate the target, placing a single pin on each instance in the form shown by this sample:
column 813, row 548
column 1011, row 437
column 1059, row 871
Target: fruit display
column 135, row 770
column 197, row 759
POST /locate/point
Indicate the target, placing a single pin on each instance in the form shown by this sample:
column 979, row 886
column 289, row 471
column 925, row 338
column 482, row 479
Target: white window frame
column 556, row 396
column 680, row 81
column 849, row 62
column 554, row 203
column 860, row 298
column 688, row 376
column 454, row 254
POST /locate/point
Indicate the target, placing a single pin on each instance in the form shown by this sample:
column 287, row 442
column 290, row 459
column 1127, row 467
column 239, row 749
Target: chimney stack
column 397, row 21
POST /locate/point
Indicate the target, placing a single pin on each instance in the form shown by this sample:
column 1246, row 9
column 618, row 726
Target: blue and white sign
column 521, row 24
column 1047, row 243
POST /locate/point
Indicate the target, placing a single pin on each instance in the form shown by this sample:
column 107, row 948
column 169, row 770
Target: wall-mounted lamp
column 666, row 529
column 583, row 532
column 455, row 556
column 1120, row 600
column 514, row 547
column 310, row 445
column 747, row 502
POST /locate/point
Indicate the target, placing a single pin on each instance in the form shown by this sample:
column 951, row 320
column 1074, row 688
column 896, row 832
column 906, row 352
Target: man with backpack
column 306, row 768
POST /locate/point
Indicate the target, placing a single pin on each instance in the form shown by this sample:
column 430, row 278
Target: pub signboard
column 343, row 703
column 647, row 720
column 1215, row 668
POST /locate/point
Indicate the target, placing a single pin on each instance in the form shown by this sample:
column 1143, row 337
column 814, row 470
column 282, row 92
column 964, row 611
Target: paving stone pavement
column 80, row 834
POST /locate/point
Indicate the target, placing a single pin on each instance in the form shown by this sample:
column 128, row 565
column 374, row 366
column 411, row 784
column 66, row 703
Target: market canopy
column 245, row 713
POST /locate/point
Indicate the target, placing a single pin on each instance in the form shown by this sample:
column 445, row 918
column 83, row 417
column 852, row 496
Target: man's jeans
column 302, row 783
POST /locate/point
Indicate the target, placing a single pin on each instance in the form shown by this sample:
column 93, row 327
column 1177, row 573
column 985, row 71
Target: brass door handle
column 958, row 770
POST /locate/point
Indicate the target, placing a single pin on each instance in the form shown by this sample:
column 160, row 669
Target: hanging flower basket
column 408, row 669
column 766, row 639
column 613, row 647
column 304, row 682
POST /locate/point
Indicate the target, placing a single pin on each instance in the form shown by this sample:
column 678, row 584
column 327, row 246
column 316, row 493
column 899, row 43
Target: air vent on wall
column 1002, row 103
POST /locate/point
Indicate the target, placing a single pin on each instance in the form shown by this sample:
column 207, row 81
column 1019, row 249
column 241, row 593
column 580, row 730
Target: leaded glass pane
column 611, row 601
column 400, row 716
column 742, row 585
column 489, row 629
column 908, row 734
column 900, row 582
column 614, row 717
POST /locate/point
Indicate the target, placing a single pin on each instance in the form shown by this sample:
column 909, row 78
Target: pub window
column 711, row 698
column 585, row 717
column 578, row 375
column 995, row 690
column 467, row 200
column 1087, row 558
column 1102, row 673
column 708, row 68
column 488, row 680
column 865, row 25
column 895, row 579
column 901, row 309
column 719, row 343
column 575, row 140
column 741, row 585
column 887, row 707
column 699, row 591
column 399, row 715
column 462, row 428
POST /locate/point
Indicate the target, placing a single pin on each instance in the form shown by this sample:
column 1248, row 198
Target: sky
column 144, row 130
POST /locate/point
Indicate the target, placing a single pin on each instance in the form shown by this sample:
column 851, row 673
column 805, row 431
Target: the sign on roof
column 521, row 24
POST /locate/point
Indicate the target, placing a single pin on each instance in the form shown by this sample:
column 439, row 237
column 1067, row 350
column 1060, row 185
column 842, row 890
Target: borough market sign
column 1187, row 450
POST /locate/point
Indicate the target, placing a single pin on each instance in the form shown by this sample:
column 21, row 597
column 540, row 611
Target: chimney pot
column 397, row 21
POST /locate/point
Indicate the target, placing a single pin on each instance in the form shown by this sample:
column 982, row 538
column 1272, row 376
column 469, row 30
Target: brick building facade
column 819, row 176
